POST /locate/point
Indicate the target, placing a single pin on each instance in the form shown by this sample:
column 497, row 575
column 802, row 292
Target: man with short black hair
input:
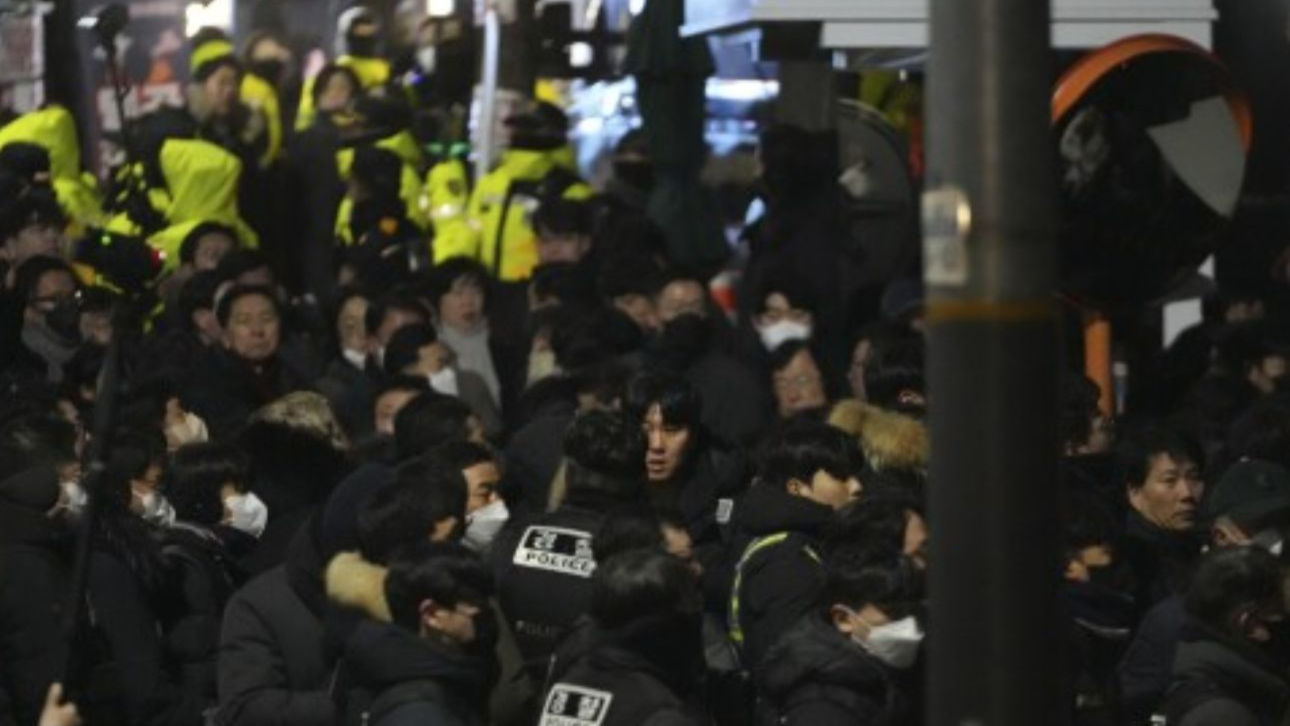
column 1231, row 669
column 423, row 653
column 249, row 370
column 807, row 473
column 1160, row 471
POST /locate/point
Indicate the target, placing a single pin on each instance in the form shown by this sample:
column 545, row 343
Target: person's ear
column 430, row 614
column 843, row 619
column 797, row 486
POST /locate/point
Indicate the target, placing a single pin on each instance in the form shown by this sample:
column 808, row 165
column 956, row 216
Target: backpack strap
column 758, row 545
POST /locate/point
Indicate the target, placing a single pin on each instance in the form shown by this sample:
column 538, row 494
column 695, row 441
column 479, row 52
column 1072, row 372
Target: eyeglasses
column 797, row 383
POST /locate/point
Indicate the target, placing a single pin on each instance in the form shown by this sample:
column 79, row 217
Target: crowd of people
column 381, row 444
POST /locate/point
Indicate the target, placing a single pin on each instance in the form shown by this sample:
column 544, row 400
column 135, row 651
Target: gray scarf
column 474, row 355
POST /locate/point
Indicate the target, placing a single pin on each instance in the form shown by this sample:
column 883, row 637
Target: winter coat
column 274, row 664
column 1162, row 561
column 358, row 586
column 293, row 471
column 129, row 618
column 225, row 390
column 535, row 450
column 203, row 576
column 776, row 584
column 735, row 399
column 391, row 677
column 1221, row 682
column 890, row 441
column 1147, row 666
column 714, row 476
column 339, row 532
column 1099, row 622
column 35, row 574
column 351, row 392
column 816, row 676
column 544, row 570
column 310, row 169
column 647, row 672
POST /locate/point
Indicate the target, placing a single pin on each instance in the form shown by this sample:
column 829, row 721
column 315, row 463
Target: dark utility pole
column 995, row 648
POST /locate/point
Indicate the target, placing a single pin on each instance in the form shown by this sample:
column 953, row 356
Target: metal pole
column 487, row 130
column 992, row 367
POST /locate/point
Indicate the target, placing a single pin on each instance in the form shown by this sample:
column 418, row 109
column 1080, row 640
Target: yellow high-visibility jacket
column 54, row 129
column 201, row 186
column 410, row 191
column 447, row 193
column 501, row 208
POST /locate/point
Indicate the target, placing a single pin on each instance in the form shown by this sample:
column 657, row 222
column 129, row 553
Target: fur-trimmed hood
column 889, row 440
column 355, row 583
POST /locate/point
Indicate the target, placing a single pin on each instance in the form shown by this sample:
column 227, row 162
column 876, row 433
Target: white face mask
column 74, row 496
column 157, row 510
column 778, row 333
column 426, row 59
column 192, row 430
column 247, row 513
column 445, row 381
column 1270, row 540
column 356, row 358
column 895, row 643
column 483, row 525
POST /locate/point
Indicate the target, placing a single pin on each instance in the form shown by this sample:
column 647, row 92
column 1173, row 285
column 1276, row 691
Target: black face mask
column 64, row 320
column 363, row 46
column 638, row 174
column 270, row 69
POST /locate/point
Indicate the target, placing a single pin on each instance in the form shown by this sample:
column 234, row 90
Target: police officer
column 545, row 564
column 645, row 660
column 537, row 166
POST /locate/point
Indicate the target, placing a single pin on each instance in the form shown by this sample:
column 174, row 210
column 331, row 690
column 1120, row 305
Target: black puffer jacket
column 35, row 573
column 225, row 390
column 1221, row 682
column 293, row 471
column 398, row 679
column 648, row 672
column 781, row 582
column 1162, row 561
column 815, row 676
column 274, row 664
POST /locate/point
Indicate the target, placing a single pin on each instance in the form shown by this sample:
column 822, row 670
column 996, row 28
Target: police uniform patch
column 570, row 705
column 724, row 509
column 556, row 549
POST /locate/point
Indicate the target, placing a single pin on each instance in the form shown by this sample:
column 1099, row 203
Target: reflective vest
column 447, row 194
column 501, row 208
column 410, row 190
column 734, row 623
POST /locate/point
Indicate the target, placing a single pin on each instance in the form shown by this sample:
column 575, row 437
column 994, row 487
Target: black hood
column 814, row 652
column 381, row 655
column 766, row 509
column 669, row 649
